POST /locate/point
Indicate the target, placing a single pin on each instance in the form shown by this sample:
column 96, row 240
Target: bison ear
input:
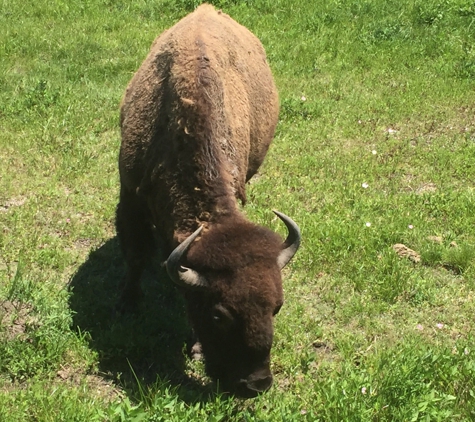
column 183, row 276
column 292, row 243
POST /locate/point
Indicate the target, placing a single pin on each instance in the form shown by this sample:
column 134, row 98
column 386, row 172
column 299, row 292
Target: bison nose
column 254, row 385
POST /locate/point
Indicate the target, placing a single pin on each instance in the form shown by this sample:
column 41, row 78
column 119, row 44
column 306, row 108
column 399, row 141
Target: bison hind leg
column 134, row 229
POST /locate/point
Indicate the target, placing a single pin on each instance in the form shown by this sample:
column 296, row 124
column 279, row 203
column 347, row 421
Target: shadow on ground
column 146, row 344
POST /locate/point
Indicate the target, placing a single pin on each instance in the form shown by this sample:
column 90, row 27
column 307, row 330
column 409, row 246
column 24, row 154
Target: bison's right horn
column 292, row 242
column 183, row 276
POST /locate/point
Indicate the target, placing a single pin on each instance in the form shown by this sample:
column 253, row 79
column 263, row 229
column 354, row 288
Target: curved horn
column 183, row 276
column 292, row 243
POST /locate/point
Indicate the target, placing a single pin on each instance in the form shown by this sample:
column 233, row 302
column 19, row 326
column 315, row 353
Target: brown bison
column 197, row 120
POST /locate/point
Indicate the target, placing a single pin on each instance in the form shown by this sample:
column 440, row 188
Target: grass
column 376, row 126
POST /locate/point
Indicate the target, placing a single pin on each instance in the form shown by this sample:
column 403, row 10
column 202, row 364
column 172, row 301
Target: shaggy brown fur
column 197, row 120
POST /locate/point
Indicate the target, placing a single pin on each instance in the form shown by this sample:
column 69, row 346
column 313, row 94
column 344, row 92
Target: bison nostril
column 252, row 386
column 260, row 384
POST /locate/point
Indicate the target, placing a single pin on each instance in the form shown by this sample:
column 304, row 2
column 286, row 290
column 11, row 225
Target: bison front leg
column 134, row 229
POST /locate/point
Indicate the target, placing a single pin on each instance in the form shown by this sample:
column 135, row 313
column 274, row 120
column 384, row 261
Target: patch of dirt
column 404, row 252
column 9, row 267
column 325, row 351
column 100, row 385
column 322, row 347
column 82, row 244
column 284, row 384
column 425, row 188
column 16, row 319
column 17, row 201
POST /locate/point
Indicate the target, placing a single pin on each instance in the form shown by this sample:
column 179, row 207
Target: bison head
column 233, row 289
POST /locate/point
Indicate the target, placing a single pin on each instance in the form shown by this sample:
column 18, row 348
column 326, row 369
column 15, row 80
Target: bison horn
column 183, row 276
column 292, row 243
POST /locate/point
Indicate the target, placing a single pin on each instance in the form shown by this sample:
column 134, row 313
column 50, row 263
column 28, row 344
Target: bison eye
column 221, row 317
column 277, row 309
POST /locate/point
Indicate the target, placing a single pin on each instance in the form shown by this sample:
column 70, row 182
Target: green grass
column 377, row 126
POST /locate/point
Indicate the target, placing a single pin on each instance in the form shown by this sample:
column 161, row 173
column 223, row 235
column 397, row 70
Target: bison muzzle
column 196, row 120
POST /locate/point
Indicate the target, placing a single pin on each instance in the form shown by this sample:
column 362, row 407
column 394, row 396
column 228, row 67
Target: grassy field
column 375, row 148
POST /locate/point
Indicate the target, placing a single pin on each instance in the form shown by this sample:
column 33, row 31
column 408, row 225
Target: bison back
column 205, row 79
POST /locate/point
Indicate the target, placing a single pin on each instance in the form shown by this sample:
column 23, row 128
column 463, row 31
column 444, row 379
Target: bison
column 196, row 120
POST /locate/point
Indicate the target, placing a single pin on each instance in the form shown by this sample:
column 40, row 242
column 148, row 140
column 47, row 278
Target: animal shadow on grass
column 144, row 345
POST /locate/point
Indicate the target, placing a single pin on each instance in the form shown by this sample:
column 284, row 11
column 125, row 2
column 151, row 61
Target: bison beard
column 196, row 120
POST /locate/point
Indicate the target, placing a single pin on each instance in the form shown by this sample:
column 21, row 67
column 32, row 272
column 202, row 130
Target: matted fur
column 197, row 120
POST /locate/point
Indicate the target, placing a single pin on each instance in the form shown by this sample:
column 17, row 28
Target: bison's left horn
column 183, row 276
column 292, row 242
